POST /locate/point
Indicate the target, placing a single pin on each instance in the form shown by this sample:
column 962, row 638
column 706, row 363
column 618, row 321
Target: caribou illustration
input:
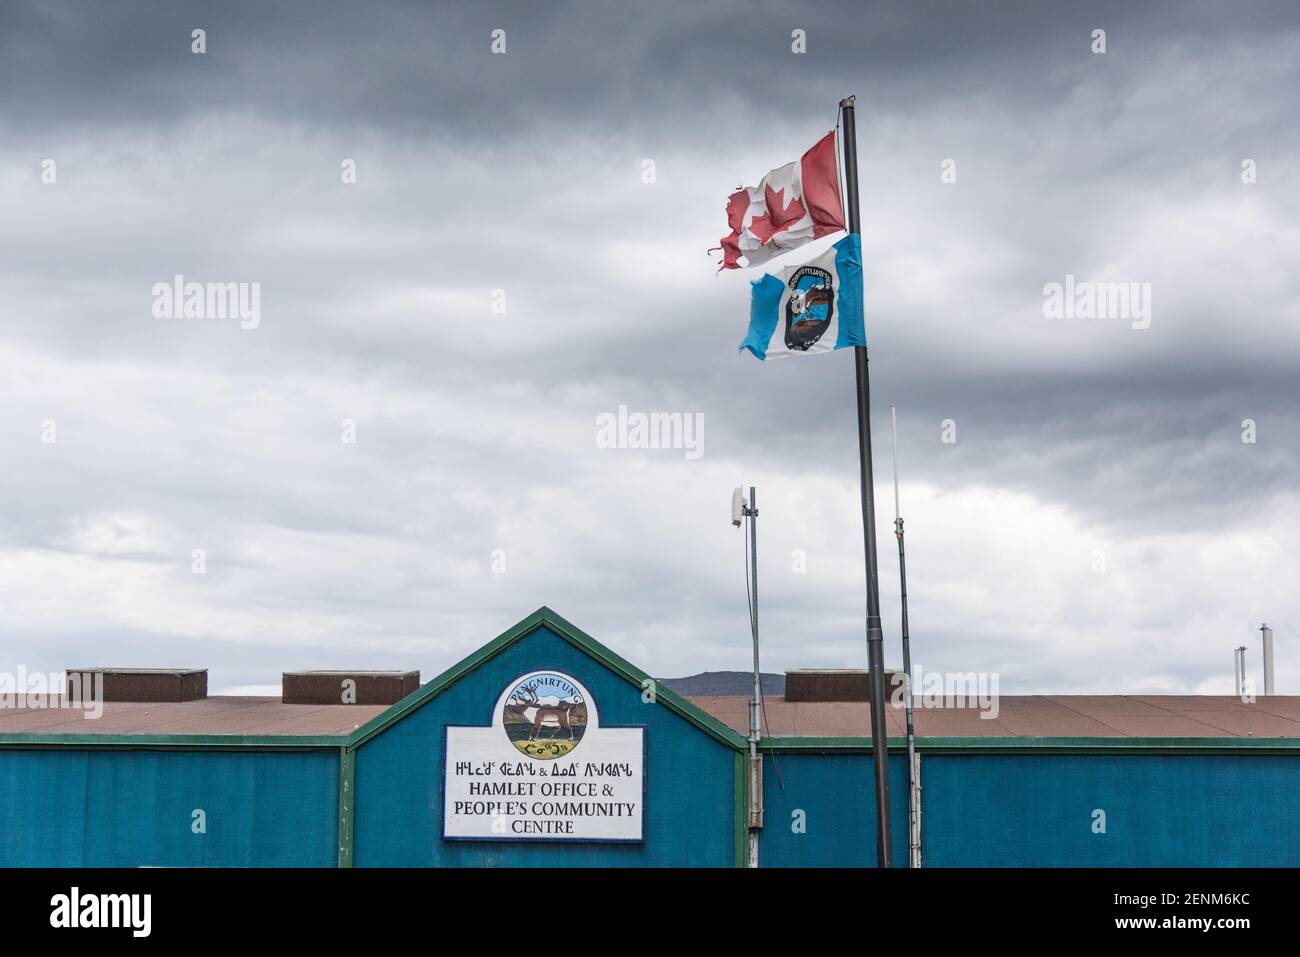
column 548, row 712
column 805, row 299
column 802, row 326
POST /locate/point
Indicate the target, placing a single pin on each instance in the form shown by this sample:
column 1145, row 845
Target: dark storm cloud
column 521, row 172
column 420, row 67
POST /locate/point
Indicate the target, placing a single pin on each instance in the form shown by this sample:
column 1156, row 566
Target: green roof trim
column 546, row 618
column 268, row 742
column 1017, row 745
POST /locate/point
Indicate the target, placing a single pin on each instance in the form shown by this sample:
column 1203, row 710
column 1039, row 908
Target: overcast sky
column 1099, row 525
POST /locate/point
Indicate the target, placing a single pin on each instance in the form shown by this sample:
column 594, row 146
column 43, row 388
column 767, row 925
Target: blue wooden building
column 545, row 748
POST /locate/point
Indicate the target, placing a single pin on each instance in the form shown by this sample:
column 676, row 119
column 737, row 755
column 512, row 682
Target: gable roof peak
column 566, row 630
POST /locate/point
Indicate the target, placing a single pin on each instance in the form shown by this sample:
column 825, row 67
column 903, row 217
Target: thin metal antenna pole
column 755, row 727
column 913, row 776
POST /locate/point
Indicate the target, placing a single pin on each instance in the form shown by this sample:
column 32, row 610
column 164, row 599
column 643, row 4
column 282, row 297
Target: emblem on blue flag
column 816, row 307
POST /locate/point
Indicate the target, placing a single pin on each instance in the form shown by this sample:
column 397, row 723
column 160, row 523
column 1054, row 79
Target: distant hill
column 724, row 683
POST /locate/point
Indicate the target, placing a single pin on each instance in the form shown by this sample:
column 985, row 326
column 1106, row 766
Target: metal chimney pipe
column 1267, row 633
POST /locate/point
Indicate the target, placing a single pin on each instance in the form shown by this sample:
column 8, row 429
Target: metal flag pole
column 875, row 634
column 913, row 766
column 755, row 726
column 742, row 511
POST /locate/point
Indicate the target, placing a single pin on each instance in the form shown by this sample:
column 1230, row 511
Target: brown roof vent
column 140, row 684
column 347, row 687
column 834, row 684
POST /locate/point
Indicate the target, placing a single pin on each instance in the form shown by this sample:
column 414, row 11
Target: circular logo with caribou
column 809, row 309
column 545, row 715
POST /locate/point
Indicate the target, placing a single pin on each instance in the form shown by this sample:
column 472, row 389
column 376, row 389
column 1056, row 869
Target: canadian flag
column 790, row 206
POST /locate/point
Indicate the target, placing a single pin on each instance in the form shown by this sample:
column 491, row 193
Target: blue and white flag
column 816, row 307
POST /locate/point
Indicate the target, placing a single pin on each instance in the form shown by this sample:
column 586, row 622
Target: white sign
column 544, row 770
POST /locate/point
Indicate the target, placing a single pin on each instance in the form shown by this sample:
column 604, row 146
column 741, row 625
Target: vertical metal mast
column 875, row 634
column 755, row 704
column 913, row 765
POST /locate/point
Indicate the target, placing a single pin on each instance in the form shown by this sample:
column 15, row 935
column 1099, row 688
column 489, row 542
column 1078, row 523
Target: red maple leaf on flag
column 779, row 216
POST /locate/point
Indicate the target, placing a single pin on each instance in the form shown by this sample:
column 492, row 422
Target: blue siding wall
column 116, row 808
column 836, row 793
column 1172, row 810
column 689, row 776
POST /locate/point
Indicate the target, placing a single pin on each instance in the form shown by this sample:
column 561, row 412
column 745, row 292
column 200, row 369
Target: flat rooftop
column 212, row 715
column 1040, row 716
column 1029, row 716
